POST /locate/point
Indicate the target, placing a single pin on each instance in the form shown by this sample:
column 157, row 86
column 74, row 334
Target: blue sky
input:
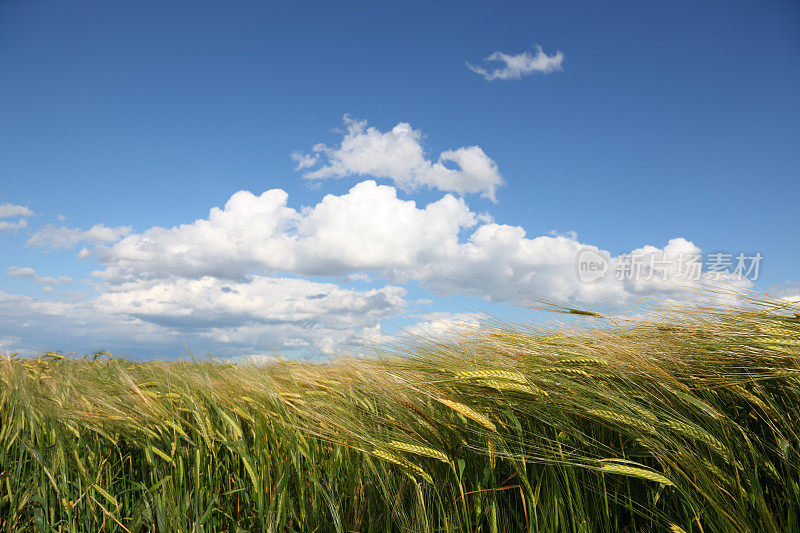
column 660, row 121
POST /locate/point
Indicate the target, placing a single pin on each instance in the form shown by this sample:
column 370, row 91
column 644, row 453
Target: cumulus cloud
column 64, row 238
column 8, row 210
column 49, row 324
column 213, row 302
column 228, row 281
column 280, row 314
column 444, row 246
column 283, row 312
column 514, row 67
column 369, row 228
column 31, row 274
column 398, row 155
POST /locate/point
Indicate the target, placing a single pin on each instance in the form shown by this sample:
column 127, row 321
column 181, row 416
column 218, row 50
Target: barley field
column 684, row 422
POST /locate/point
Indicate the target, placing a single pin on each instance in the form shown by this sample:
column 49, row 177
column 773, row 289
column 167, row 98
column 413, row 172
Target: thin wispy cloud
column 20, row 212
column 32, row 275
column 11, row 210
column 514, row 67
column 63, row 238
column 13, row 226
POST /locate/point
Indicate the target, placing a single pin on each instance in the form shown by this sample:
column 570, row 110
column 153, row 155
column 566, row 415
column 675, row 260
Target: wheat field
column 688, row 421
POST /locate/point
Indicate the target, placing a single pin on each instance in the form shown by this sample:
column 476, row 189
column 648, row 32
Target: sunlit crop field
column 689, row 422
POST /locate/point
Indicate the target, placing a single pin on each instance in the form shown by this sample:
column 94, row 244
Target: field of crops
column 685, row 423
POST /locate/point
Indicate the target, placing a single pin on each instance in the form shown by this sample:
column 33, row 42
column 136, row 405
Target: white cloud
column 274, row 314
column 304, row 160
column 13, row 226
column 51, row 237
column 398, row 155
column 31, row 274
column 368, row 228
column 789, row 291
column 45, row 324
column 257, row 359
column 220, row 282
column 515, row 66
column 213, row 303
column 282, row 313
column 444, row 246
column 440, row 325
column 193, row 284
column 8, row 210
column 7, row 345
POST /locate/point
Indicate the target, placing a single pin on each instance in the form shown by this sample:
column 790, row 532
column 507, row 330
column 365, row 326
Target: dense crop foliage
column 689, row 423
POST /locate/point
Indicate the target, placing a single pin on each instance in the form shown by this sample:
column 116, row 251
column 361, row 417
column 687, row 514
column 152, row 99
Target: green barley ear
column 626, row 469
column 625, row 420
column 513, row 387
column 419, row 450
column 581, row 312
column 469, row 413
column 399, row 461
column 492, row 374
